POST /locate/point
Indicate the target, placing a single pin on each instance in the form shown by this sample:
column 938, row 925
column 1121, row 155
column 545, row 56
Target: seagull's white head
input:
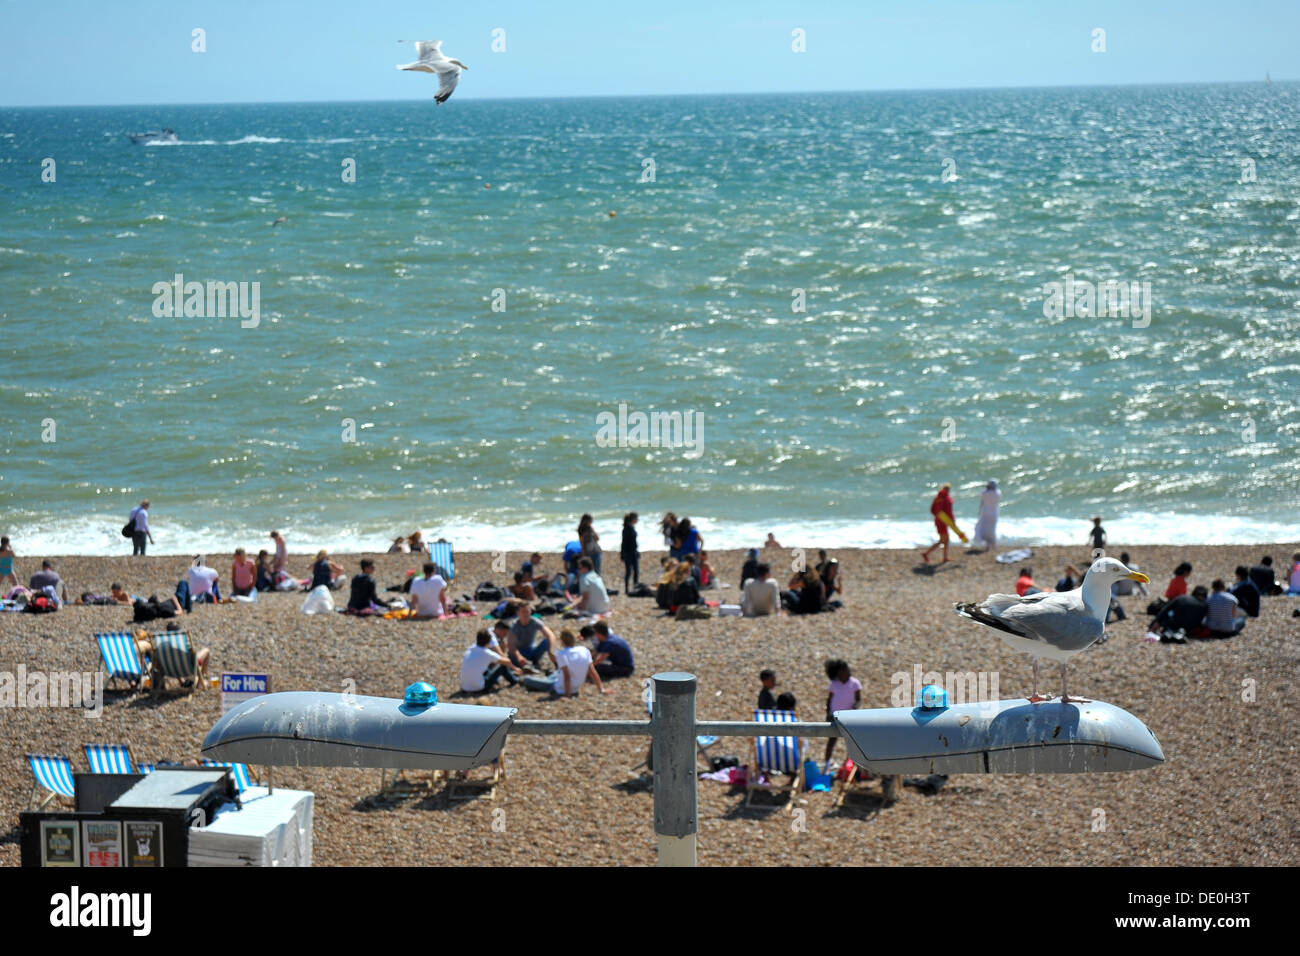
column 1110, row 571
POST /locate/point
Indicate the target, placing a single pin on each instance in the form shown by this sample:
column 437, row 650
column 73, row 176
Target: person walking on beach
column 140, row 528
column 7, row 563
column 281, row 553
column 986, row 529
column 941, row 508
column 628, row 552
column 1097, row 535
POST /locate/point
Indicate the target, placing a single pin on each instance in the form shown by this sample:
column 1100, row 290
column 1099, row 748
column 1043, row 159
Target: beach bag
column 41, row 604
column 641, row 590
column 722, row 763
column 128, row 529
column 544, row 607
column 693, row 612
column 487, row 591
column 319, row 601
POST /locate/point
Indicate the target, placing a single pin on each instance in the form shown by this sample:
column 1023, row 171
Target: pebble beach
column 1226, row 794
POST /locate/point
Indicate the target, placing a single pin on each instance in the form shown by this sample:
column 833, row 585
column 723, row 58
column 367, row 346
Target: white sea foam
column 100, row 535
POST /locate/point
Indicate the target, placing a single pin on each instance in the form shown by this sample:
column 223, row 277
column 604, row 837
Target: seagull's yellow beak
column 1138, row 576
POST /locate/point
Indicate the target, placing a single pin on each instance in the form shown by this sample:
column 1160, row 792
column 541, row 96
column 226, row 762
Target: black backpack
column 487, row 591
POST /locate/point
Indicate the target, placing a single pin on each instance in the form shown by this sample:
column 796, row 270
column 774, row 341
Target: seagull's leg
column 1036, row 699
column 1065, row 693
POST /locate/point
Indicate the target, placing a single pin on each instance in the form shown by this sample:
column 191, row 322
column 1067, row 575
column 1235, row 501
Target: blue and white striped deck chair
column 702, row 743
column 121, row 659
column 110, row 758
column 52, row 773
column 243, row 780
column 174, row 656
column 440, row 554
column 774, row 756
column 148, row 767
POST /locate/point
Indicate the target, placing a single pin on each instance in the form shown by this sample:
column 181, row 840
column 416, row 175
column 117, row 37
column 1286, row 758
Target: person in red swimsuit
column 942, row 504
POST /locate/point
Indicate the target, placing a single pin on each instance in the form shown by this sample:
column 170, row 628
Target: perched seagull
column 431, row 60
column 1054, row 624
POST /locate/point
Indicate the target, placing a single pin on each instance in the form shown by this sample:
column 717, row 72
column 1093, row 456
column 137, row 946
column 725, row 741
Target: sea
column 794, row 314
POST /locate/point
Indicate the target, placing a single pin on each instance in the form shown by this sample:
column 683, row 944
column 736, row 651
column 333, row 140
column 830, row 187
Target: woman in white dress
column 986, row 529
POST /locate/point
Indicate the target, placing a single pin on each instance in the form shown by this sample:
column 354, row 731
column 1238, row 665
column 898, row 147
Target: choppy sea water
column 844, row 294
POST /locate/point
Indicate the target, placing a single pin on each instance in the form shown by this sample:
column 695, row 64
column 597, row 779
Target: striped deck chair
column 52, row 773
column 110, row 758
column 774, row 756
column 174, row 656
column 148, row 767
column 243, row 779
column 440, row 554
column 121, row 659
column 702, row 745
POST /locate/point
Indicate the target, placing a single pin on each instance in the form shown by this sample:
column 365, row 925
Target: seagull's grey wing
column 428, row 50
column 997, row 603
column 421, row 67
column 1060, row 620
column 447, row 80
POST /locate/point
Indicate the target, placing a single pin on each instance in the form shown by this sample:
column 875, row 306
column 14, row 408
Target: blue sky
column 74, row 52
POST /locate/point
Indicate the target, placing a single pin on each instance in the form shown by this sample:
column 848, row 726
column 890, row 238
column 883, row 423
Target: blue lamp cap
column 933, row 697
column 421, row 694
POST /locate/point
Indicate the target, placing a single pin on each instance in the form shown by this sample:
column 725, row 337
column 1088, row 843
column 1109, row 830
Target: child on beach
column 629, row 554
column 1097, row 535
column 787, row 702
column 766, row 701
column 843, row 693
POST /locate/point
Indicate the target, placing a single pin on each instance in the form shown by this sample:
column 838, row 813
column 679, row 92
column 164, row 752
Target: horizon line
column 665, row 96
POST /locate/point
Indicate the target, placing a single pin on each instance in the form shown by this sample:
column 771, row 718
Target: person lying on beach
column 398, row 546
column 154, row 609
column 573, row 668
column 115, row 596
column 482, row 666
column 243, row 574
column 429, row 594
column 593, row 598
column 760, row 595
column 529, row 639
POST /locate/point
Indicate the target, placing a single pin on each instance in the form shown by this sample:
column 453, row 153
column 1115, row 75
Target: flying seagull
column 1054, row 624
column 431, row 60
